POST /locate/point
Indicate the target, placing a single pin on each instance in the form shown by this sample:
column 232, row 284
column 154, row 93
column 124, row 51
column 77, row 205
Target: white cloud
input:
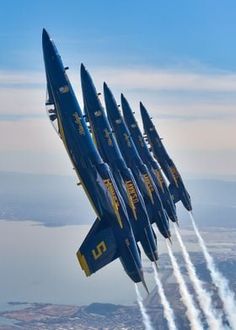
column 32, row 145
column 198, row 135
column 156, row 80
column 22, row 101
column 21, row 78
column 24, row 92
column 136, row 78
column 28, row 135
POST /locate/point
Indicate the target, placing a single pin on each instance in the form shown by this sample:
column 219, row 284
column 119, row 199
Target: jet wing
column 98, row 249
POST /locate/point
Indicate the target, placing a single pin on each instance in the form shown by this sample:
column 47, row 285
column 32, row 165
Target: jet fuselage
column 142, row 176
column 93, row 173
column 176, row 187
column 147, row 159
column 108, row 149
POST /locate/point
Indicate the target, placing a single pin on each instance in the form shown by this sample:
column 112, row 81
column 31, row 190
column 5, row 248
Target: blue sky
column 166, row 33
column 178, row 57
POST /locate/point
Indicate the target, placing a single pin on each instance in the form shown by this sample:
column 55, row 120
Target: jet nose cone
column 83, row 73
column 44, row 33
column 82, row 69
column 106, row 90
column 144, row 115
column 127, row 112
column 110, row 101
column 109, row 98
column 49, row 48
column 105, row 86
column 45, row 36
column 86, row 80
column 141, row 105
column 123, row 101
column 142, row 109
column 111, row 105
column 88, row 89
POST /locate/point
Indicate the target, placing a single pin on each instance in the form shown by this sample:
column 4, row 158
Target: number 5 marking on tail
column 99, row 250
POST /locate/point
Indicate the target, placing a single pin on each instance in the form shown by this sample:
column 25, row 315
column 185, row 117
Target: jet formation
column 123, row 172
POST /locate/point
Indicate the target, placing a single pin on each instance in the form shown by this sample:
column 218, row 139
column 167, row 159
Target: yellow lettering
column 99, row 250
column 78, row 122
column 175, row 174
column 149, row 186
column 160, row 179
column 114, row 198
column 127, row 139
column 132, row 195
column 148, row 182
column 107, row 136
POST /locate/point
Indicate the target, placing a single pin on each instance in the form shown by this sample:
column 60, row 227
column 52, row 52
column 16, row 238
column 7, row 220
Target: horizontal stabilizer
column 98, row 249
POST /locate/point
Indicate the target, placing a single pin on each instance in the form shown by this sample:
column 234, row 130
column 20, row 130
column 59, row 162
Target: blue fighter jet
column 111, row 235
column 142, row 176
column 147, row 158
column 108, row 149
column 176, row 187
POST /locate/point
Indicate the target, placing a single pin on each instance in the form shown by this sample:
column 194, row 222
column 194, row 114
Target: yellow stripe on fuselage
column 149, row 186
column 175, row 174
column 160, row 179
column 132, row 196
column 114, row 199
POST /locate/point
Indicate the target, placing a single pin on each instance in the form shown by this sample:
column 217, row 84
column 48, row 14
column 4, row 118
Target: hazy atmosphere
column 179, row 59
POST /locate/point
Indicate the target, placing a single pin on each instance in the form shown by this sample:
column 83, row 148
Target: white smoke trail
column 146, row 319
column 203, row 296
column 168, row 312
column 219, row 280
column 191, row 311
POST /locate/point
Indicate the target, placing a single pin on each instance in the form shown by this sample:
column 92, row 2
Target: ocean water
column 39, row 264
